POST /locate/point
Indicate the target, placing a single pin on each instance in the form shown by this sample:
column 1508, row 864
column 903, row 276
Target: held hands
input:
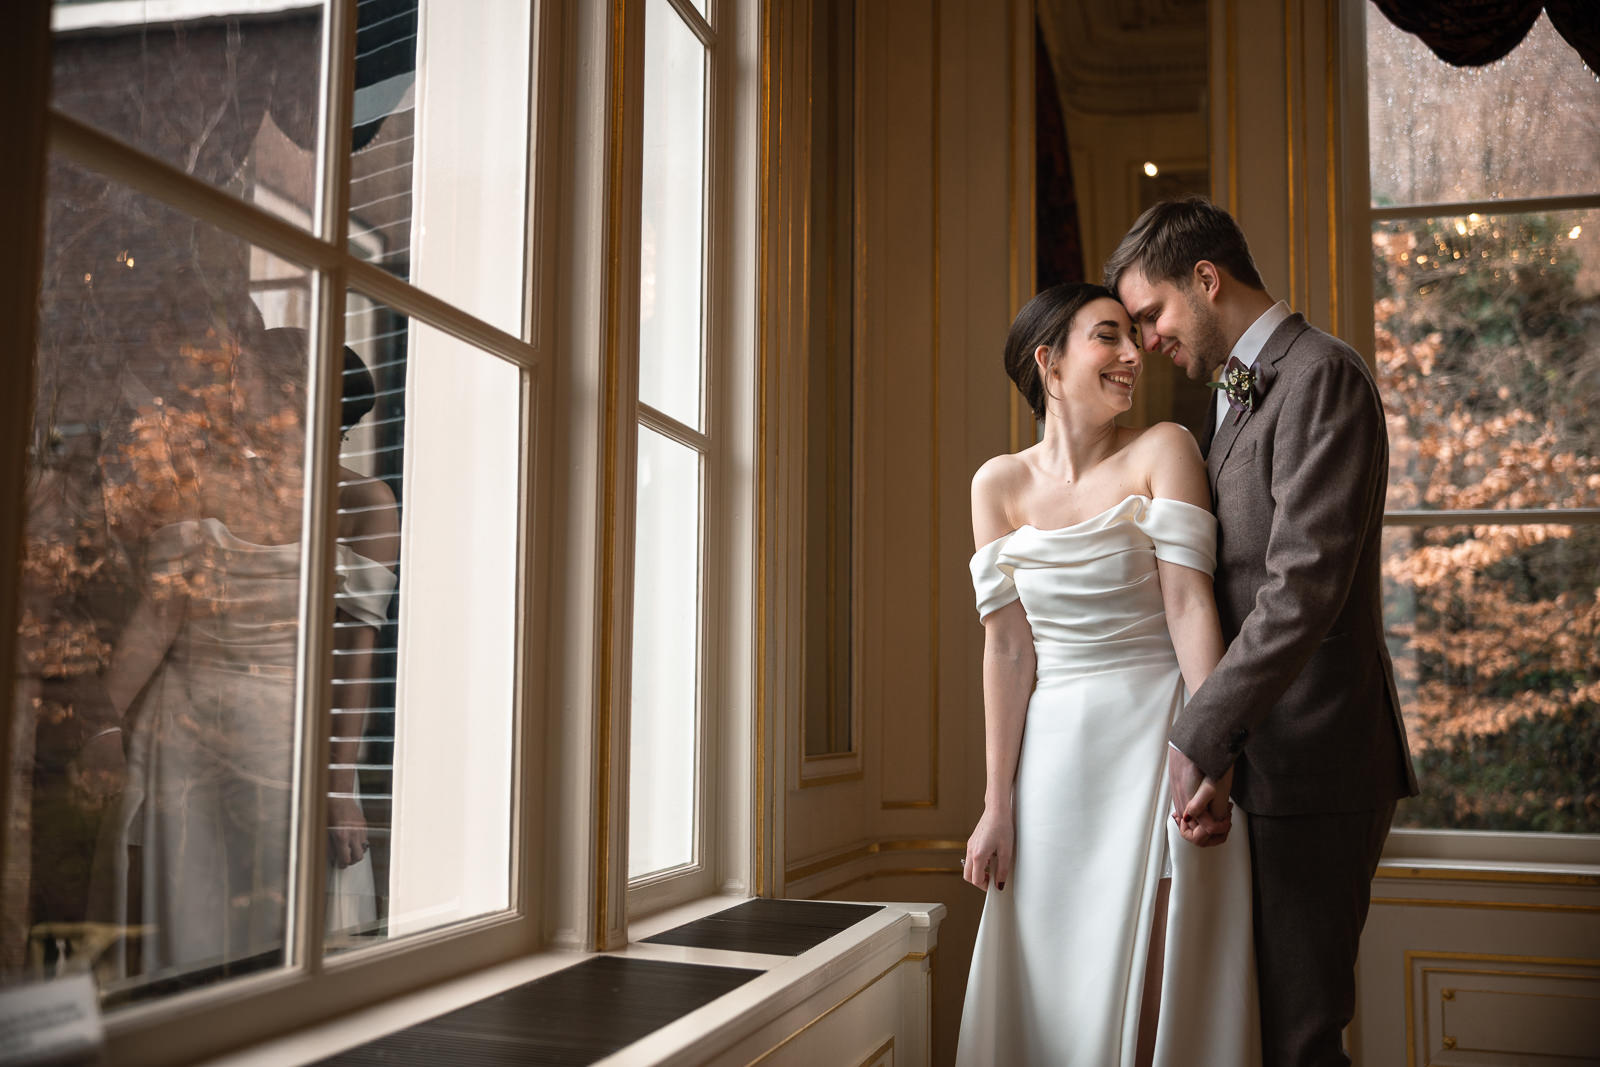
column 989, row 850
column 1200, row 805
column 347, row 832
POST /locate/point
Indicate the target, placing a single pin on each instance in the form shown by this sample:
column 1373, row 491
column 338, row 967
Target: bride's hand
column 1209, row 816
column 347, row 831
column 989, row 850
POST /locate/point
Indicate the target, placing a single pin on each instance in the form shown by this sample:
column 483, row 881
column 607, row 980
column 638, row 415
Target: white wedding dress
column 211, row 757
column 1058, row 968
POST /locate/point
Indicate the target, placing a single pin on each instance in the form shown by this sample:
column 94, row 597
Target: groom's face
column 1175, row 321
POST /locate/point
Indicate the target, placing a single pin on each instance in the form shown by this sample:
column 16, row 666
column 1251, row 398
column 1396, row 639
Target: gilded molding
column 1413, row 957
column 1440, row 874
column 873, row 848
column 608, row 484
column 1486, row 905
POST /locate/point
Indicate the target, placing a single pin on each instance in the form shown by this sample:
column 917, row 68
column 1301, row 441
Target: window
column 279, row 528
column 675, row 449
column 1485, row 237
column 393, row 477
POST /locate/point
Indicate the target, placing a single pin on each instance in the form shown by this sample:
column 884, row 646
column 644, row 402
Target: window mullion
column 1524, row 206
column 1491, row 517
column 667, row 426
column 313, row 719
column 695, row 21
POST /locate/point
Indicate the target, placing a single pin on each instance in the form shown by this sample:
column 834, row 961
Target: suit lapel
column 1233, row 423
column 1211, row 426
column 1222, row 444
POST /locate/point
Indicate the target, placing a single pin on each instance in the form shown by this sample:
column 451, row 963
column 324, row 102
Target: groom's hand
column 1211, row 810
column 1200, row 809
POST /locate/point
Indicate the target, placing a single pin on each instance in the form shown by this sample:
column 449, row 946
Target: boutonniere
column 1238, row 383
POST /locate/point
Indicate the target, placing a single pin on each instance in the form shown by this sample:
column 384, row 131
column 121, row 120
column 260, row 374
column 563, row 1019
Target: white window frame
column 311, row 987
column 724, row 757
column 1445, row 847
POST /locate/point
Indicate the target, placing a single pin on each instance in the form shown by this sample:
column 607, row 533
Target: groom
column 1300, row 719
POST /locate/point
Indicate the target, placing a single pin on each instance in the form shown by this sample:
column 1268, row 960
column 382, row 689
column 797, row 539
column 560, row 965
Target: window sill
column 793, row 993
column 1476, row 854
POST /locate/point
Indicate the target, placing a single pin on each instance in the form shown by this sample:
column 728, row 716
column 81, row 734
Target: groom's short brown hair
column 1171, row 237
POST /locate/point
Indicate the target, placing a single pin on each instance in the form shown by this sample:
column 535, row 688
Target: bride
column 1105, row 939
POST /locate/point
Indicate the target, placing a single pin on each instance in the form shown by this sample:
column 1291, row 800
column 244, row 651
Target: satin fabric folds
column 211, row 757
column 1059, row 965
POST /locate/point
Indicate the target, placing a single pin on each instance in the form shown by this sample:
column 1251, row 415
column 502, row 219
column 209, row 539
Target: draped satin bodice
column 1090, row 590
column 244, row 598
column 228, row 682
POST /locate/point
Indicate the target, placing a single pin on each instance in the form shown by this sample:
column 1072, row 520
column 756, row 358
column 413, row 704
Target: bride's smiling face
column 1101, row 361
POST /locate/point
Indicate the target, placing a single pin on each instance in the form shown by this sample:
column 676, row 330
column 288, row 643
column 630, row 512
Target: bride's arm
column 1178, row 473
column 140, row 649
column 1008, row 669
column 1008, row 666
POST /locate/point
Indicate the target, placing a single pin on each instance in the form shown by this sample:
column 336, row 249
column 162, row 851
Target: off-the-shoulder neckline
column 217, row 525
column 1096, row 515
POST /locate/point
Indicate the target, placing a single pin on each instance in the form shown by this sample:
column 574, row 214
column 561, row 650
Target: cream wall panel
column 945, row 253
column 898, row 361
column 1506, row 964
column 1280, row 134
column 945, row 108
column 885, row 1023
column 986, row 226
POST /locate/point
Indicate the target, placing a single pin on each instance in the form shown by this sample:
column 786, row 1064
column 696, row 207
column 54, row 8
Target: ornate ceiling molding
column 1119, row 57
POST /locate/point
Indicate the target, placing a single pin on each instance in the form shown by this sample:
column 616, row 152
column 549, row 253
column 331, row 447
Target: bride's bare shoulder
column 1003, row 475
column 1164, row 442
column 995, row 489
column 1163, row 435
column 1168, row 459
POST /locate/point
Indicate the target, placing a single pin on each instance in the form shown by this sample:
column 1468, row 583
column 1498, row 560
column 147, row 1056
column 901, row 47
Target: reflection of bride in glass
column 204, row 674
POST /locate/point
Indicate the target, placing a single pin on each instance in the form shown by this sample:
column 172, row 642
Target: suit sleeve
column 1329, row 453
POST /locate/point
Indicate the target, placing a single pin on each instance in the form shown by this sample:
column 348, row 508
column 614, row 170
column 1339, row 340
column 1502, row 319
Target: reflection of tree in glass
column 1488, row 350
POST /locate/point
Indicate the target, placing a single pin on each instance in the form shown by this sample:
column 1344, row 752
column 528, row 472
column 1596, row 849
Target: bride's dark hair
column 1045, row 320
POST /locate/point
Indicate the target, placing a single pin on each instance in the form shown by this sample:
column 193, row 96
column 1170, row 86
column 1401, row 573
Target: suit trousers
column 1312, row 886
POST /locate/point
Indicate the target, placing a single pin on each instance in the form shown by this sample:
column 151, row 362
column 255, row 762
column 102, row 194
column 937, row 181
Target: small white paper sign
column 51, row 1022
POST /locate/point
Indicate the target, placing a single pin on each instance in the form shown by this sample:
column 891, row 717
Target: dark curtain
column 1471, row 33
column 1058, row 249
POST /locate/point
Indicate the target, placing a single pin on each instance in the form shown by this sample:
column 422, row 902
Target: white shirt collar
column 1247, row 349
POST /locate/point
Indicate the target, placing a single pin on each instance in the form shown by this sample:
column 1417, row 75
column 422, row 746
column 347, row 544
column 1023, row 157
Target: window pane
column 1522, row 127
column 666, row 630
column 439, row 164
column 1488, row 355
column 427, row 631
column 161, row 596
column 232, row 100
column 671, row 281
column 1493, row 630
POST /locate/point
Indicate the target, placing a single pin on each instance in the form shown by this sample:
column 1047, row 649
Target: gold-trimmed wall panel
column 943, row 204
column 1431, row 931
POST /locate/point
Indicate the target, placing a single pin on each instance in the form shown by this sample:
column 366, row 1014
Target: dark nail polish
column 1002, row 886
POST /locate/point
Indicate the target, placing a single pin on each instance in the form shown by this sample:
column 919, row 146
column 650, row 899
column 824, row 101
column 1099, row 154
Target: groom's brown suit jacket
column 1303, row 704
